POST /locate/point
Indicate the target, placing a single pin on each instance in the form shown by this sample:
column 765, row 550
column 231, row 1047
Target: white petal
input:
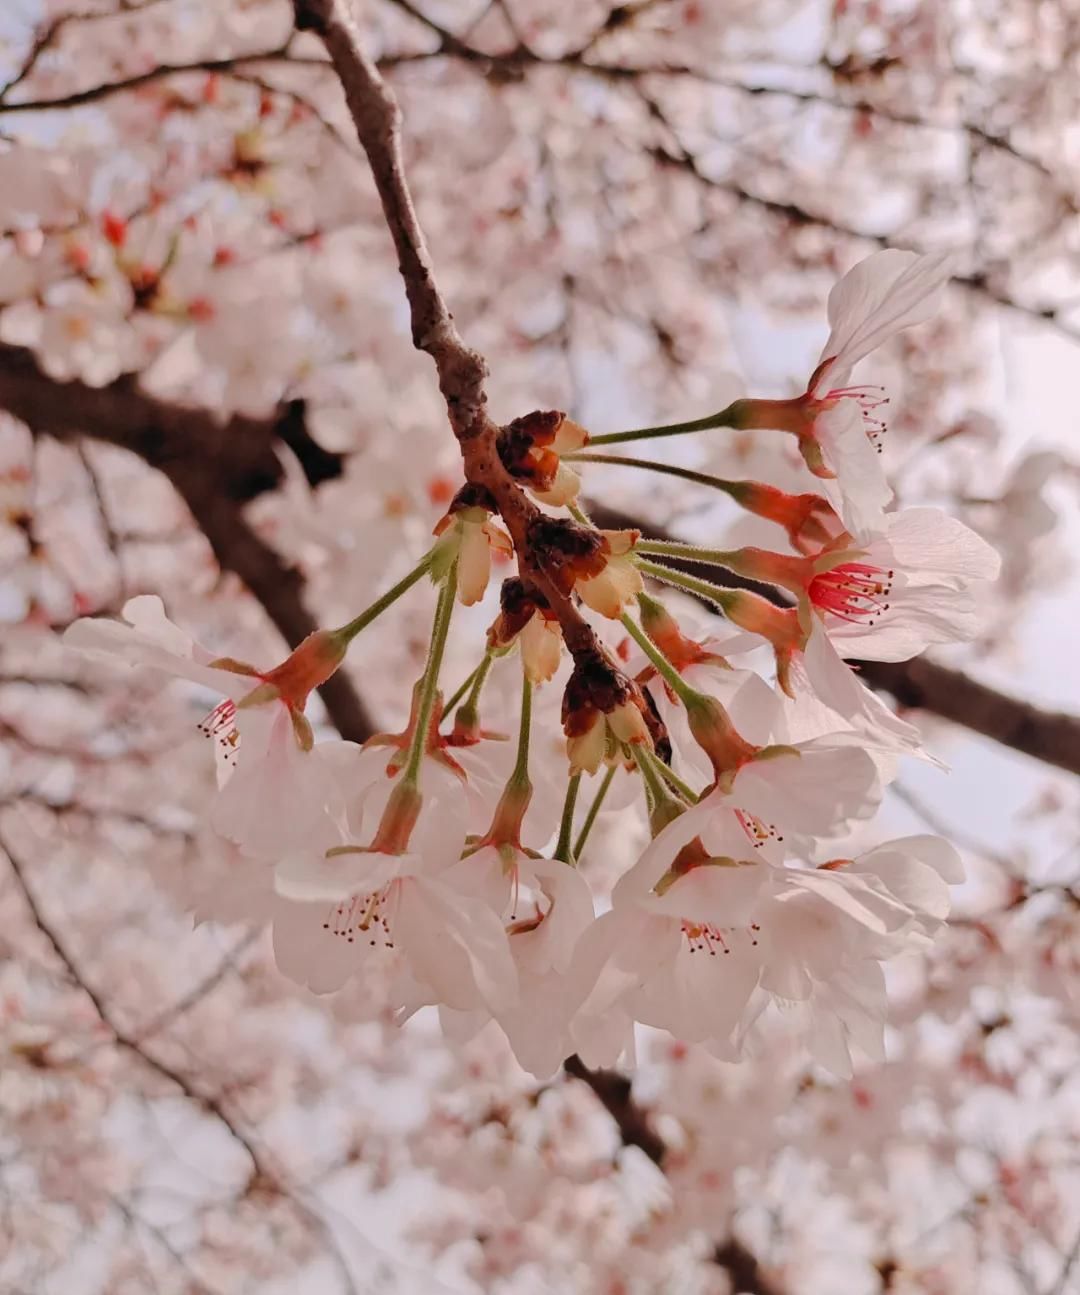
column 474, row 564
column 162, row 647
column 312, row 877
column 816, row 793
column 456, row 946
column 275, row 802
column 931, row 545
column 859, row 491
column 570, row 915
column 838, row 687
column 306, row 952
column 888, row 291
column 934, row 851
column 722, row 895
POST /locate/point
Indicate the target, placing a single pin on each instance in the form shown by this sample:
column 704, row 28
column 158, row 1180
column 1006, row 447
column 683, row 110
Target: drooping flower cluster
column 432, row 852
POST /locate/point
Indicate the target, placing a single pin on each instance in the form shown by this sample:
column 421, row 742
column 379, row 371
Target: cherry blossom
column 837, row 425
column 546, row 907
column 274, row 786
column 590, row 828
column 399, row 905
column 709, row 928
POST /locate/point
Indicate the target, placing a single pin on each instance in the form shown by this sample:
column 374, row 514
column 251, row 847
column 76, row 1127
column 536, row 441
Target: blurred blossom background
column 208, row 391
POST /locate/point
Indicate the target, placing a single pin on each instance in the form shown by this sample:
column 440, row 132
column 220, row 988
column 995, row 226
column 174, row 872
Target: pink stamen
column 853, row 591
column 220, row 727
column 868, row 399
column 704, row 937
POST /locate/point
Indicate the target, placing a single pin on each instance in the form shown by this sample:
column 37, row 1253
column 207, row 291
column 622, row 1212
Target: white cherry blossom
column 274, row 789
column 546, row 906
column 404, row 907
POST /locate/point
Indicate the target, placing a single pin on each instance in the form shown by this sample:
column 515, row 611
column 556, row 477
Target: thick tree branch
column 214, row 467
column 615, row 1093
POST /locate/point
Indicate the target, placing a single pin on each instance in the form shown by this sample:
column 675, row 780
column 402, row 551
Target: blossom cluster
column 458, row 859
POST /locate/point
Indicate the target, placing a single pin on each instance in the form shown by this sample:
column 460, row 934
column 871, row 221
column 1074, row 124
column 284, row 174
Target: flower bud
column 782, row 626
column 664, row 631
column 614, row 589
column 469, row 537
column 530, row 447
column 526, row 619
column 809, row 520
column 601, row 712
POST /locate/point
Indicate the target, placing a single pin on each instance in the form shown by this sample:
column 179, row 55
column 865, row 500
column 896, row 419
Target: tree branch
column 263, row 1177
column 461, row 370
column 615, row 1093
column 217, row 466
column 214, row 466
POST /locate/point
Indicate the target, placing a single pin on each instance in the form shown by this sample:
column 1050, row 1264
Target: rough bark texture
column 461, row 370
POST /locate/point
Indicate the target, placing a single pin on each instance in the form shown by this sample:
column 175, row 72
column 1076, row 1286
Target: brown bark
column 214, row 466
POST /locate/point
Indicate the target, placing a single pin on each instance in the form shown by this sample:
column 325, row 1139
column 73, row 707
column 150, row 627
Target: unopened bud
column 809, row 520
column 530, row 447
column 601, row 713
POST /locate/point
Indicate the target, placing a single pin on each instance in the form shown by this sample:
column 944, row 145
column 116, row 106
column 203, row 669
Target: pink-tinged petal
column 620, row 951
column 720, row 894
column 483, row 876
column 636, row 884
column 459, row 1028
column 840, row 690
column 313, row 877
column 888, row 291
column 817, row 792
column 153, row 642
column 146, row 614
column 850, row 895
column 306, row 952
column 932, row 547
column 859, row 490
column 553, row 942
column 918, row 617
column 275, row 802
column 932, row 851
column 916, row 885
column 538, row 1029
column 701, row 996
column 859, row 1000
column 456, row 946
